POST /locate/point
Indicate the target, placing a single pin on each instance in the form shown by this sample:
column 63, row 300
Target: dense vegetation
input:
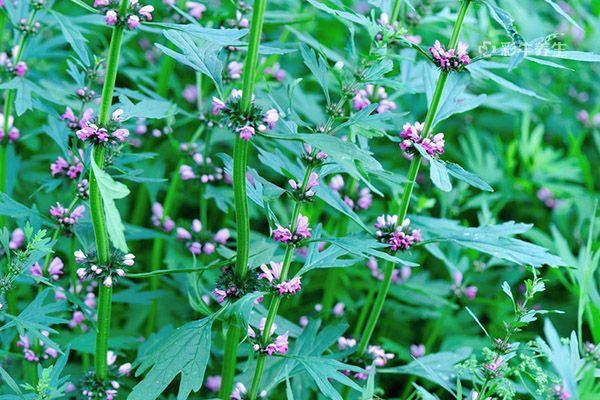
column 299, row 199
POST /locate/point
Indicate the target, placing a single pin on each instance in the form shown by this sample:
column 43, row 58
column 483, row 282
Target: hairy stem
column 242, row 218
column 96, row 206
column 407, row 194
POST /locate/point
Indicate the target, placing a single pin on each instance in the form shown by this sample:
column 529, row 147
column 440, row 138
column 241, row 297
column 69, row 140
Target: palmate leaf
column 489, row 239
column 73, row 35
column 147, row 108
column 38, row 316
column 305, row 359
column 185, row 352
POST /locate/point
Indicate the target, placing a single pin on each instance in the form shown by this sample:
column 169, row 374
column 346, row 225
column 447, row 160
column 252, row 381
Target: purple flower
column 111, row 17
column 302, row 229
column 133, row 21
column 282, row 234
column 339, row 309
column 21, row 68
column 195, row 10
column 345, row 343
column 217, row 105
column 417, row 350
column 271, row 274
column 246, row 132
column 55, row 268
column 213, row 383
column 379, row 355
column 183, row 234
column 271, row 117
column 234, row 69
column 222, row 236
column 17, row 238
column 290, row 287
column 186, row 172
column 450, row 59
column 146, row 12
column 495, row 365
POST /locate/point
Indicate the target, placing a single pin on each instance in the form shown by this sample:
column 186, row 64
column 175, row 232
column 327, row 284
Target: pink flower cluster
column 399, row 237
column 222, row 294
column 91, row 132
column 202, row 168
column 55, row 269
column 583, row 116
column 134, row 16
column 245, row 124
column 275, row 72
column 452, row 59
column 460, row 290
column 107, row 274
column 160, row 220
column 493, row 367
column 193, row 238
column 366, row 96
column 74, row 122
column 417, row 350
column 399, row 275
column 7, row 63
column 64, row 216
column 234, row 70
column 546, row 196
column 78, row 319
column 278, row 346
column 71, row 170
column 13, row 133
column 360, row 201
column 306, row 192
column 302, row 231
column 345, row 343
column 33, row 354
column 559, row 392
column 241, row 393
column 273, row 275
column 413, row 134
column 379, row 355
column 315, row 157
column 17, row 239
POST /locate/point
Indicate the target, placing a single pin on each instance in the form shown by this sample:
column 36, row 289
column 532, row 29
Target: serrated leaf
column 365, row 247
column 72, row 35
column 185, row 352
column 318, row 67
column 490, row 239
column 202, row 56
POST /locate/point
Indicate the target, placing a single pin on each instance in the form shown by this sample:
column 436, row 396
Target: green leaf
column 23, row 89
column 111, row 191
column 38, row 317
column 12, row 384
column 369, row 391
column 318, row 67
column 459, row 173
column 489, row 239
column 566, row 16
column 148, row 108
column 72, row 35
column 185, row 352
column 221, row 37
column 15, row 210
column 365, row 246
column 478, row 69
column 436, row 367
column 440, row 169
column 331, row 257
column 202, row 56
column 85, row 6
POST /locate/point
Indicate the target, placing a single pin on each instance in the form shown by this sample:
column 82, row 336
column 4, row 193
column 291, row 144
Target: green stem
column 412, row 176
column 242, row 218
column 395, row 12
column 364, row 311
column 96, row 206
column 276, row 299
column 8, row 105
